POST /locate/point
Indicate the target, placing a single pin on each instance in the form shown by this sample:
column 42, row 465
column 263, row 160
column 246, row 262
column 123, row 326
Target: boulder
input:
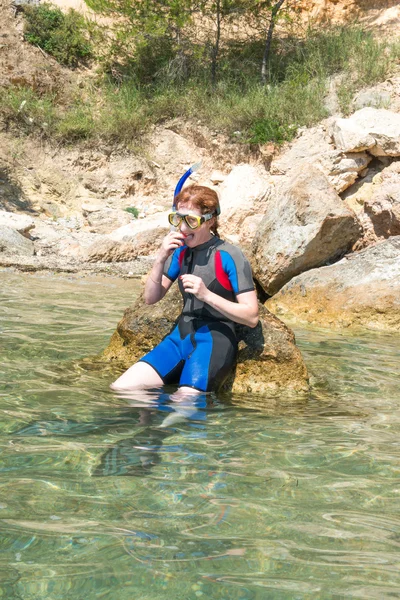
column 306, row 226
column 372, row 98
column 107, row 220
column 20, row 222
column 269, row 362
column 244, row 196
column 217, row 177
column 107, row 250
column 13, row 243
column 376, row 201
column 314, row 147
column 383, row 207
column 155, row 222
column 372, row 129
column 361, row 290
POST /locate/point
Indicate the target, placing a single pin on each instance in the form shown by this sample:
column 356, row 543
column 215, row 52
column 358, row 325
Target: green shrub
column 64, row 36
column 133, row 211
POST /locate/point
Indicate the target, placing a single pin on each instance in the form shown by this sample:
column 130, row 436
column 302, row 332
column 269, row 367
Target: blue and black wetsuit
column 201, row 350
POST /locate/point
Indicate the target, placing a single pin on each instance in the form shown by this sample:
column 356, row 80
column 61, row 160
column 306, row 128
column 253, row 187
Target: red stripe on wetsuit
column 220, row 274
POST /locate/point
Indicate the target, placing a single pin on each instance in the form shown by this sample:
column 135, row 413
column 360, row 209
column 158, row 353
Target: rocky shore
column 313, row 218
column 320, row 223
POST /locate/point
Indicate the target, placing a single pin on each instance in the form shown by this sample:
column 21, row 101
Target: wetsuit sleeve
column 172, row 266
column 237, row 268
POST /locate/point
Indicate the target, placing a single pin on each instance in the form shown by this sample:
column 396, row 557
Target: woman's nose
column 183, row 226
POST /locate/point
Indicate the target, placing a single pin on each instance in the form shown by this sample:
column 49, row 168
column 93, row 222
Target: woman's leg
column 162, row 364
column 212, row 359
column 139, row 376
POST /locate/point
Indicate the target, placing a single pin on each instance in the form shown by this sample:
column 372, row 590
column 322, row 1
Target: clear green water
column 98, row 502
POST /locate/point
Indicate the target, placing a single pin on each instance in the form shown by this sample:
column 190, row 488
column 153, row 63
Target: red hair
column 203, row 198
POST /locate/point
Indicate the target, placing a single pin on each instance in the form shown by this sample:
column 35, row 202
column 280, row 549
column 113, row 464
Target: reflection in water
column 239, row 497
column 136, row 455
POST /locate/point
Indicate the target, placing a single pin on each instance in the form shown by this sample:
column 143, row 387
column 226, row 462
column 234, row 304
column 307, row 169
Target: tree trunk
column 274, row 13
column 215, row 53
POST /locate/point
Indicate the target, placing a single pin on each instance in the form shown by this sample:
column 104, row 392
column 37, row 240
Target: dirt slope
column 21, row 63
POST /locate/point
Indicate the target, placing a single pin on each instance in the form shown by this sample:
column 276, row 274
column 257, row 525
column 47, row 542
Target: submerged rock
column 361, row 290
column 269, row 361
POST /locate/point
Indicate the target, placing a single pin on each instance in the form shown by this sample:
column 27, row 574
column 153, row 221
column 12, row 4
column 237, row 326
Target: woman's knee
column 139, row 376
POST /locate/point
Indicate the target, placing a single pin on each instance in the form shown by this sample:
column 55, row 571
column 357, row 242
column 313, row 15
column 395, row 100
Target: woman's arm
column 157, row 285
column 244, row 311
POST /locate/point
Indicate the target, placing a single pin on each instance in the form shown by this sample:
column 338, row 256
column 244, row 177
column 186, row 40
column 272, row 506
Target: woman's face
column 193, row 237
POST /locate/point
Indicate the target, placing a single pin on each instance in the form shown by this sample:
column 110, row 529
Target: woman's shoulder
column 235, row 251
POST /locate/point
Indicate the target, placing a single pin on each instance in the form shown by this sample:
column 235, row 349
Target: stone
column 244, row 197
column 107, row 220
column 314, row 147
column 20, row 222
column 268, row 363
column 217, row 177
column 376, row 202
column 108, row 250
column 372, row 129
column 128, row 233
column 301, row 230
column 13, row 243
column 372, row 98
column 360, row 291
column 88, row 207
column 383, row 207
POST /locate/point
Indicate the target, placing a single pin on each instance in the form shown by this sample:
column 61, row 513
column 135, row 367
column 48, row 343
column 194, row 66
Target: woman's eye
column 192, row 221
column 175, row 220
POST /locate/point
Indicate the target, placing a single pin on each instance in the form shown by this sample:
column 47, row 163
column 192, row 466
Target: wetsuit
column 201, row 350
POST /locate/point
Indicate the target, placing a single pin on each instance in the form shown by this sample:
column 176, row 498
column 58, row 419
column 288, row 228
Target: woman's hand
column 244, row 310
column 172, row 241
column 195, row 285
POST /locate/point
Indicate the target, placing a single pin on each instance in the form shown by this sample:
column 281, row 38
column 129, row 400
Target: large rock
column 107, row 250
column 268, row 361
column 107, row 220
column 372, row 129
column 361, row 290
column 13, row 243
column 376, row 201
column 383, row 207
column 314, row 147
column 155, row 222
column 306, row 226
column 244, row 197
column 20, row 222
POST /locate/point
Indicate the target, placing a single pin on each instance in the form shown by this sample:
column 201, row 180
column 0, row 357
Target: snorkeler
column 216, row 283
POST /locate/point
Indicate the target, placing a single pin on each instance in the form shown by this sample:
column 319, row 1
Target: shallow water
column 103, row 497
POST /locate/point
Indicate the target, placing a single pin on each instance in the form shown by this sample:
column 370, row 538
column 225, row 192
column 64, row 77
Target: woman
column 218, row 291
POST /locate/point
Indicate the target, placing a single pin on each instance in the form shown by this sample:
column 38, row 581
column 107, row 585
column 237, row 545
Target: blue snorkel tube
column 182, row 180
